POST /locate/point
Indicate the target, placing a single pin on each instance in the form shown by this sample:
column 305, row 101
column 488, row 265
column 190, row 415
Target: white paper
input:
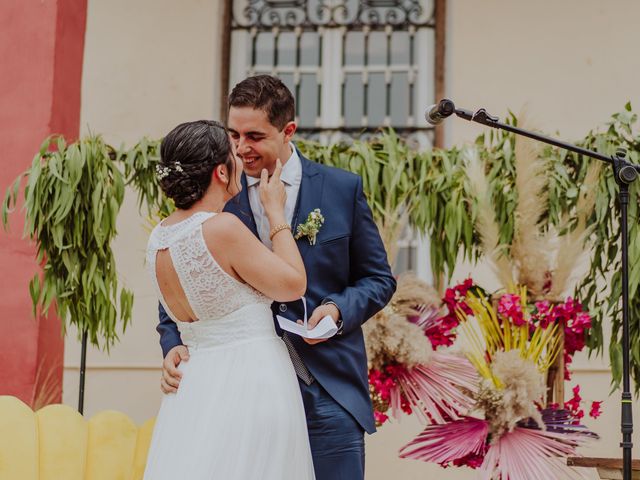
column 326, row 328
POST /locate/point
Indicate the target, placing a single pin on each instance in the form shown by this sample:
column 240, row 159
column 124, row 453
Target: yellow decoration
column 62, row 436
column 486, row 335
column 18, row 442
column 58, row 443
column 142, row 448
column 112, row 443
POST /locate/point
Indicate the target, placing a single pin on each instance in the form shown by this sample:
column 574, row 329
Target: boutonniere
column 311, row 227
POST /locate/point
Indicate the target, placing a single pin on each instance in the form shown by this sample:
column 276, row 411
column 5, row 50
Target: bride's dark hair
column 188, row 155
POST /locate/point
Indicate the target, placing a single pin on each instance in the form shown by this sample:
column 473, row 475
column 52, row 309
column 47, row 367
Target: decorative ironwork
column 275, row 30
column 312, row 14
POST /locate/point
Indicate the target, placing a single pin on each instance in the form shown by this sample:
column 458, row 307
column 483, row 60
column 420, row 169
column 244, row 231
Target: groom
column 349, row 277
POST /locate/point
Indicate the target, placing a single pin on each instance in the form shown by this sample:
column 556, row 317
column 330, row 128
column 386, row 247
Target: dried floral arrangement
column 406, row 372
column 508, row 432
column 486, row 417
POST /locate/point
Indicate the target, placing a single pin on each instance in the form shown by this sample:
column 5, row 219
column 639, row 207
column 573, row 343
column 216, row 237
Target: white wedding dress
column 238, row 413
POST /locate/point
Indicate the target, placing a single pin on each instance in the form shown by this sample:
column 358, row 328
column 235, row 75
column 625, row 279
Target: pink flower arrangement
column 570, row 314
column 406, row 374
column 443, row 331
column 528, row 452
column 495, row 444
column 543, row 314
column 436, row 392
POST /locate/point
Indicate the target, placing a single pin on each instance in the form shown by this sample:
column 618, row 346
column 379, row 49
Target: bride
column 238, row 414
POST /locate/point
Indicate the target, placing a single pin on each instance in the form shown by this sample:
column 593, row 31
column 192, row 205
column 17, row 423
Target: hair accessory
column 163, row 171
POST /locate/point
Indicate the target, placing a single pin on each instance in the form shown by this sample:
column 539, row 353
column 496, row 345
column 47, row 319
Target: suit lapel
column 241, row 208
column 309, row 198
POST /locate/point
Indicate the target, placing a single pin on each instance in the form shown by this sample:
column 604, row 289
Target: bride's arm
column 280, row 273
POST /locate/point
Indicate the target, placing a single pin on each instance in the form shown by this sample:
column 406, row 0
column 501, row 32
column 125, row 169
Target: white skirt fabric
column 238, row 413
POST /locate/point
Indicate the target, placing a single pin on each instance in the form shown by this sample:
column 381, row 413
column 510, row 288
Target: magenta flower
column 510, row 307
column 442, row 332
column 596, row 409
column 380, row 417
column 544, row 314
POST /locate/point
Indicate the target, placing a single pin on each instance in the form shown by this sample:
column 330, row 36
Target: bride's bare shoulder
column 224, row 226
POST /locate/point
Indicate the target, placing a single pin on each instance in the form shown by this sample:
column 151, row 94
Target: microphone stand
column 625, row 173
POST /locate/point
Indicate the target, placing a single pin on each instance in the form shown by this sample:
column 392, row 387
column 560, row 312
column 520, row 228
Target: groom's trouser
column 337, row 439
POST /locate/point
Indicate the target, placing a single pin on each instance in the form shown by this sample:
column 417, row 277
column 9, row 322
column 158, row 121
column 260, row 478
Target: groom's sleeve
column 371, row 283
column 168, row 330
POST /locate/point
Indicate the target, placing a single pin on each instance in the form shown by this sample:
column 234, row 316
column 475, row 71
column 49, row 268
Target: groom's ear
column 289, row 130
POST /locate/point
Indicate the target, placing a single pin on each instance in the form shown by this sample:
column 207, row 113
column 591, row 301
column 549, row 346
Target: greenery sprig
column 393, row 175
column 73, row 195
column 431, row 189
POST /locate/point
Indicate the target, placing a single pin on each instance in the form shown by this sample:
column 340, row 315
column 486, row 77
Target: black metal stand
column 83, row 368
column 624, row 173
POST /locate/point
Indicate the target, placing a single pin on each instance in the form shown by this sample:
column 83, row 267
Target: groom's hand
column 318, row 314
column 170, row 374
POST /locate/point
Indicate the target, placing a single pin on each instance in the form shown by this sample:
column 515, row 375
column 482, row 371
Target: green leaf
column 615, row 356
column 44, row 147
column 34, row 293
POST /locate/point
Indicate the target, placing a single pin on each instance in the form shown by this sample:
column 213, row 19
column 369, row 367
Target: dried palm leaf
column 440, row 390
column 448, row 442
column 47, row 383
column 529, row 454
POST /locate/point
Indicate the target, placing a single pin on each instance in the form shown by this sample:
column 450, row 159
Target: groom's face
column 258, row 143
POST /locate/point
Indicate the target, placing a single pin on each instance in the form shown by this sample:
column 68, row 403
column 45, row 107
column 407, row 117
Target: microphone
column 435, row 114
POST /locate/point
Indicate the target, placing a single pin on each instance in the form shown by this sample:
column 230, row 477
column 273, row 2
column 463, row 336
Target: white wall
column 150, row 64
column 572, row 63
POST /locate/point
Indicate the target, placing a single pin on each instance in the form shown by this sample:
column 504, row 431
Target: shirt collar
column 291, row 170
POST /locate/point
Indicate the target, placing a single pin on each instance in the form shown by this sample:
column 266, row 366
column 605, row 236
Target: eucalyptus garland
column 72, row 198
column 601, row 286
column 74, row 193
column 432, row 187
column 140, row 171
column 393, row 176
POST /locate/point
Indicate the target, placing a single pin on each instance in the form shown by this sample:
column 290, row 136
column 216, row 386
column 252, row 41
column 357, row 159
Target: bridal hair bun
column 188, row 155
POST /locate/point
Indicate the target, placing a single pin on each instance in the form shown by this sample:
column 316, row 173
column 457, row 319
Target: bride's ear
column 220, row 174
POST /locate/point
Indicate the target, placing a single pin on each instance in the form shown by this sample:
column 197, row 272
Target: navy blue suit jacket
column 347, row 265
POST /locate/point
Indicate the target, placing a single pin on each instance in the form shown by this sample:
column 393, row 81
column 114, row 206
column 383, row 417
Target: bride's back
column 189, row 282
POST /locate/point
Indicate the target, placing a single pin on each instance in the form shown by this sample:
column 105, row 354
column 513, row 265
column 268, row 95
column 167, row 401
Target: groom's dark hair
column 266, row 93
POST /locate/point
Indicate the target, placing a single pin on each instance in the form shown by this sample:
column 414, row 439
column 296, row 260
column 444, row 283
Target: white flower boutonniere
column 311, row 227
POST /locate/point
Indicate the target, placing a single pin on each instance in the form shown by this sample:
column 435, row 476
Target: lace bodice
column 212, row 293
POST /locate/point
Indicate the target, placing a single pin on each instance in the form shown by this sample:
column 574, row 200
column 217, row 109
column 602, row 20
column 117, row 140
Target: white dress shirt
column 291, row 176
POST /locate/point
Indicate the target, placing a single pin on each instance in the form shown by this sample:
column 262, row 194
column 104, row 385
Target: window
column 354, row 66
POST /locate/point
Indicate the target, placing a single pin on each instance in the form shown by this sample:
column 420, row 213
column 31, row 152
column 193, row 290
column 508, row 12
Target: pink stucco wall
column 41, row 53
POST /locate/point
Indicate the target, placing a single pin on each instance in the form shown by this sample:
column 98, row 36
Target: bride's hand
column 272, row 192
